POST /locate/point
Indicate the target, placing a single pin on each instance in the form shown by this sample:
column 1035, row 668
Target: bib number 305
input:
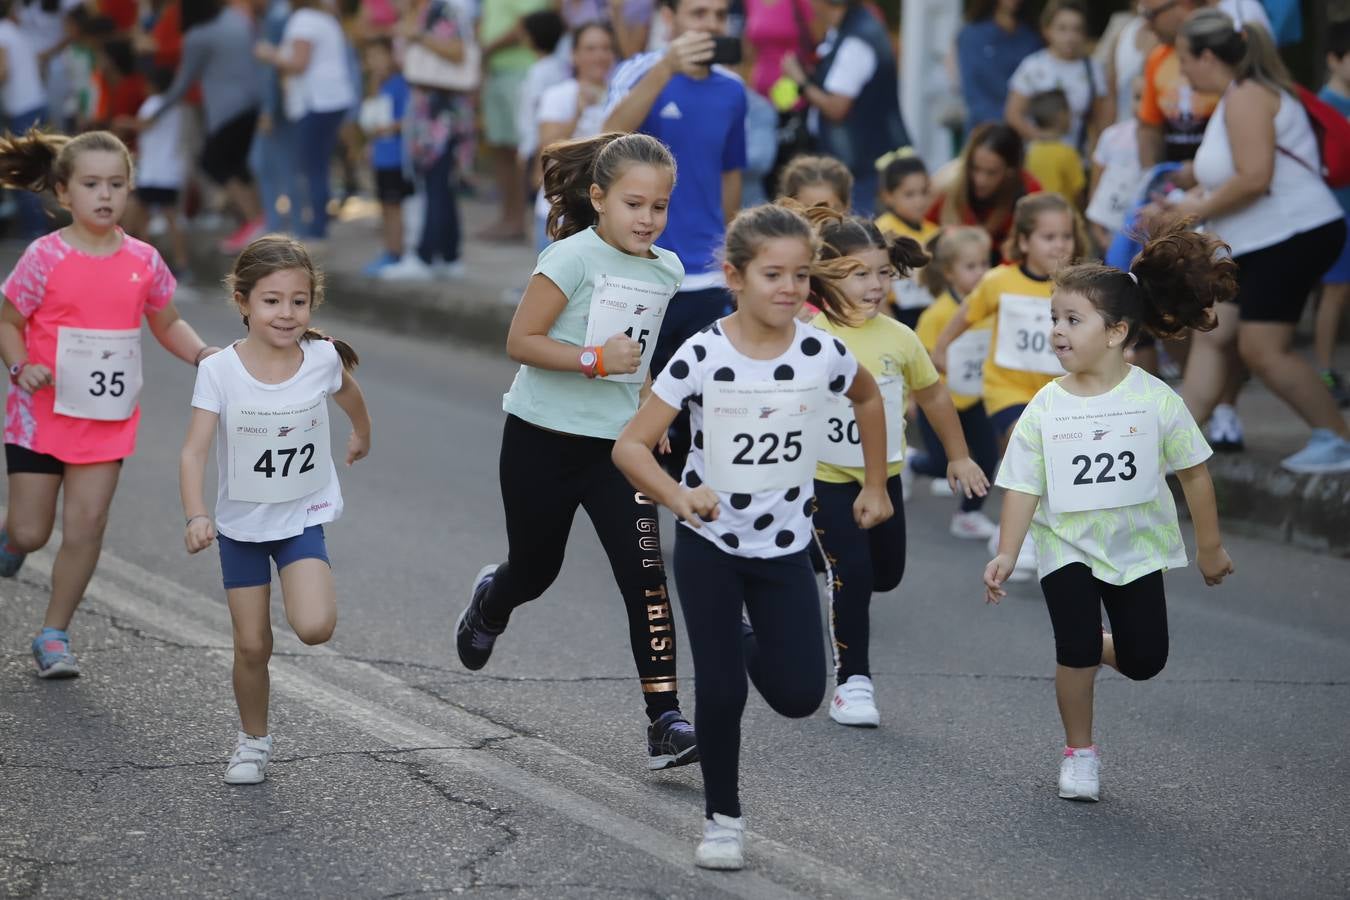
column 278, row 455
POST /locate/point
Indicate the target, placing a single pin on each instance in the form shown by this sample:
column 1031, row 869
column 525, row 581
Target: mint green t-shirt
column 1119, row 545
column 499, row 17
column 569, row 401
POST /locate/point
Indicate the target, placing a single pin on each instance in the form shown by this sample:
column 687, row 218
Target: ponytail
column 38, row 161
column 1171, row 287
column 1250, row 51
column 842, row 236
column 571, row 167
column 344, row 350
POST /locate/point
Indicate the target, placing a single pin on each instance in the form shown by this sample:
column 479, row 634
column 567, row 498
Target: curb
column 1261, row 499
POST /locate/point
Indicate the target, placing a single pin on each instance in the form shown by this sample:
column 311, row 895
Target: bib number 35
column 110, row 383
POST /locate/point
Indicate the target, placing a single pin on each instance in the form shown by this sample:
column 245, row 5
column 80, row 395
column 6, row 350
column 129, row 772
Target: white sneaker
column 972, row 526
column 941, row 488
column 449, row 270
column 853, row 703
column 249, row 760
column 1080, row 774
column 723, row 842
column 409, row 268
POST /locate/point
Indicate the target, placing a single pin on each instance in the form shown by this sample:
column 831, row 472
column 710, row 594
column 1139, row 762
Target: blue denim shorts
column 248, row 564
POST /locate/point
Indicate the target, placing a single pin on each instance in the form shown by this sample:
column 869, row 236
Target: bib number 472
column 267, row 467
column 1107, row 461
column 107, row 383
column 790, row 443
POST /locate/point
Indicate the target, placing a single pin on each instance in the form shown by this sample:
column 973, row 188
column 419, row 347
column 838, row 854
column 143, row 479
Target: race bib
column 278, row 455
column 763, row 436
column 1103, row 458
column 843, row 442
column 631, row 307
column 965, row 362
column 376, row 113
column 1114, row 196
column 909, row 294
column 98, row 373
column 1024, row 335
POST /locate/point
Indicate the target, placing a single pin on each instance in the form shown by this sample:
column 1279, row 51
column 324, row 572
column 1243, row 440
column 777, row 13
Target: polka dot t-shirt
column 768, row 524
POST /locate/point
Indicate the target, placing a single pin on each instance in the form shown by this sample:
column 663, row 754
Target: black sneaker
column 670, row 742
column 1337, row 386
column 473, row 637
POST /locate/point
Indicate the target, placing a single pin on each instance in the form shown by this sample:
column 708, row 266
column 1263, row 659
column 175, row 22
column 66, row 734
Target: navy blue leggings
column 317, row 137
column 862, row 563
column 979, row 438
column 784, row 654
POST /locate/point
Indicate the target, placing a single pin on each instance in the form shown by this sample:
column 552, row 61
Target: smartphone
column 726, row 51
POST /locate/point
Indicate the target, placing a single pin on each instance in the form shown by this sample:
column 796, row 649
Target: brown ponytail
column 38, row 161
column 344, row 350
column 1171, row 287
column 571, row 167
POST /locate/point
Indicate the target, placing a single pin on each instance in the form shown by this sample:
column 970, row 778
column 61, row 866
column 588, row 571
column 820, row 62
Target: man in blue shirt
column 988, row 51
column 698, row 110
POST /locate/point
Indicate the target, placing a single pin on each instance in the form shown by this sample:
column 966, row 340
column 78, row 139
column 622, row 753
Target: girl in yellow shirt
column 960, row 259
column 904, row 194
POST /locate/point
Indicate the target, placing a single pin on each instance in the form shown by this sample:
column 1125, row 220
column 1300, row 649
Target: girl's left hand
column 963, row 475
column 358, row 447
column 1215, row 565
column 872, row 507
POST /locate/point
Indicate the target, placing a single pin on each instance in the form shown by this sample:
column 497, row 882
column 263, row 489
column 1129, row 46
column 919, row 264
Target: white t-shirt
column 325, row 85
column 1043, row 71
column 23, row 90
column 43, row 29
column 223, row 381
column 159, row 158
column 769, row 524
column 559, row 104
column 1118, row 155
column 1250, row 11
column 544, row 74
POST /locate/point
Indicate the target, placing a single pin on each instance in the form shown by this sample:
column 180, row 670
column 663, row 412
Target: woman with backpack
column 1261, row 190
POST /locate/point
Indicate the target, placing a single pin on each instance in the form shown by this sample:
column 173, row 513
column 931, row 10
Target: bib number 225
column 790, row 443
column 1107, row 461
column 268, row 468
column 107, row 383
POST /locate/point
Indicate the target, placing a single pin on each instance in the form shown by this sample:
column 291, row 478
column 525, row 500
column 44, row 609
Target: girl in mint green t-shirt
column 1085, row 472
column 583, row 334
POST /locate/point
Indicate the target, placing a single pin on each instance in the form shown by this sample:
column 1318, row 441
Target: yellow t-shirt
column 1005, row 387
column 931, row 322
column 887, row 349
column 1058, row 167
column 890, row 222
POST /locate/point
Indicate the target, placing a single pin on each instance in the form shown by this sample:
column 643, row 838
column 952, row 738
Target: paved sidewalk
column 1254, row 492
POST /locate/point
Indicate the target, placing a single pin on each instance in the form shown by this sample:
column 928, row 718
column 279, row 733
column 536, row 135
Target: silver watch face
column 588, row 358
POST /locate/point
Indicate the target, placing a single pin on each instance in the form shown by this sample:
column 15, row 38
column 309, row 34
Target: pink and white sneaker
column 1080, row 774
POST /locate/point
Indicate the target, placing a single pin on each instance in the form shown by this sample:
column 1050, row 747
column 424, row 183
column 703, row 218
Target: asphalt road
column 398, row 773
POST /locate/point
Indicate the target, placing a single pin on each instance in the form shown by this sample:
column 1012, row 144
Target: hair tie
column 1133, row 277
column 886, row 159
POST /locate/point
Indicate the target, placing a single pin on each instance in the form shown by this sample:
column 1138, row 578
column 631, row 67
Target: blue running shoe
column 671, row 742
column 473, row 636
column 10, row 560
column 1326, row 452
column 51, row 652
column 375, row 266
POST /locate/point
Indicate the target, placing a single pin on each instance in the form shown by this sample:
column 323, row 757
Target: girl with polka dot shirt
column 1084, row 472
column 862, row 562
column 70, row 333
column 756, row 383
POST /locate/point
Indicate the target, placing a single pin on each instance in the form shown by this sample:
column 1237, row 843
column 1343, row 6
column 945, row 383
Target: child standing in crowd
column 382, row 120
column 1063, row 64
column 1336, row 282
column 161, row 169
column 1021, row 360
column 755, row 381
column 815, row 181
column 1053, row 161
column 1115, row 175
column 584, row 334
column 960, row 259
column 1085, row 471
column 862, row 562
column 70, row 335
column 905, row 197
column 265, row 402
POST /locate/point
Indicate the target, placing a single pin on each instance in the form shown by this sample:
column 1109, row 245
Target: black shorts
column 225, row 156
column 21, row 460
column 1274, row 282
column 391, row 187
column 158, row 197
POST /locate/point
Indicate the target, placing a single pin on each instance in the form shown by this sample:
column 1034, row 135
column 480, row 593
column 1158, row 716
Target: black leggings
column 862, row 563
column 1138, row 614
column 784, row 655
column 545, row 476
column 979, row 438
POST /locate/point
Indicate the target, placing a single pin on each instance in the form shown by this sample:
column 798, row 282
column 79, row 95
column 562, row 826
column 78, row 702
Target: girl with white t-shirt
column 756, row 383
column 1084, row 472
column 1063, row 64
column 265, row 402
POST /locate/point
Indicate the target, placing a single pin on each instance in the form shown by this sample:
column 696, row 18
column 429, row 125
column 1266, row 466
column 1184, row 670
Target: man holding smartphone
column 684, row 98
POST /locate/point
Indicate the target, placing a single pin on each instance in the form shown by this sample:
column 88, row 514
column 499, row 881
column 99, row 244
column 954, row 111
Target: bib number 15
column 1107, row 461
column 286, row 455
column 790, row 443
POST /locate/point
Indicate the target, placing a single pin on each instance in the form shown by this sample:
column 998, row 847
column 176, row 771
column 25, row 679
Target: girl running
column 905, row 196
column 70, row 333
column 960, row 259
column 1085, row 471
column 817, row 181
column 756, row 383
column 584, row 334
column 265, row 402
column 863, row 562
column 1046, row 234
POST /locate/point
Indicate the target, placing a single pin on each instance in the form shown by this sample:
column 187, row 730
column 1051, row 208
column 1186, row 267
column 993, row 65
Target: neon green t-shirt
column 499, row 17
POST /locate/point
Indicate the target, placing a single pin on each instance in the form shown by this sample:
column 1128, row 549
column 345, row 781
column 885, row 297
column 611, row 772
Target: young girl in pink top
column 70, row 336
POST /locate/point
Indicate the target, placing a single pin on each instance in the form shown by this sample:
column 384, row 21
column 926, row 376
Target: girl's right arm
column 632, row 454
column 201, row 530
column 14, row 350
column 1018, row 509
column 958, row 326
column 528, row 341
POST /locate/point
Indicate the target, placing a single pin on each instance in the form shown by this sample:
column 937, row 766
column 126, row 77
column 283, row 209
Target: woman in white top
column 1261, row 191
column 1125, row 55
column 313, row 58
